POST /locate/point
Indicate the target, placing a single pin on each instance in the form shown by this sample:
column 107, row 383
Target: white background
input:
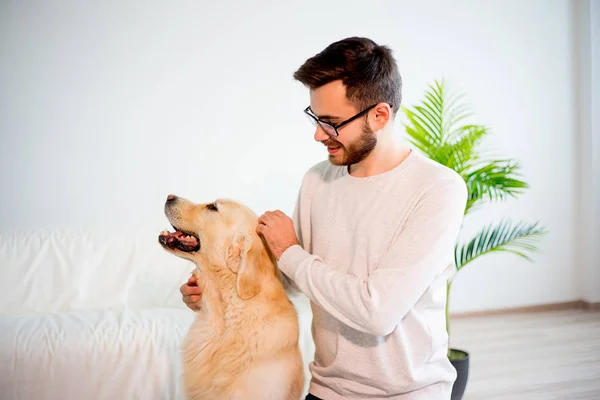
column 107, row 107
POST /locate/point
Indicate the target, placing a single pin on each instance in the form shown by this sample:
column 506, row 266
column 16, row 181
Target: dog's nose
column 171, row 197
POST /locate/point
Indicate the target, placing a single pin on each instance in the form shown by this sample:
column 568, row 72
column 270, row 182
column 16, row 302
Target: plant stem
column 448, row 285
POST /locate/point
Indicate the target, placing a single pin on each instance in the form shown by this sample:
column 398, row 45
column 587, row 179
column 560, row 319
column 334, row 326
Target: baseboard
column 586, row 305
column 568, row 305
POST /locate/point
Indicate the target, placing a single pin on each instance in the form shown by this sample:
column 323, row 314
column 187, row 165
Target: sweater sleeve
column 421, row 251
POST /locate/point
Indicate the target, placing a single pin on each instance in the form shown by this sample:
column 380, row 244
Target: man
column 372, row 237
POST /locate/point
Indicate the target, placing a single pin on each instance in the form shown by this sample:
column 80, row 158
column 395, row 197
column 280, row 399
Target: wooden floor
column 550, row 355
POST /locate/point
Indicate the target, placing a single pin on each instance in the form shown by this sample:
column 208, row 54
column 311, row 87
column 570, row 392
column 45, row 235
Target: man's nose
column 320, row 135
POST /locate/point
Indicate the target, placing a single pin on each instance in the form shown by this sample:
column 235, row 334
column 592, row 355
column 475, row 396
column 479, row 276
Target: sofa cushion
column 100, row 354
column 56, row 271
column 98, row 315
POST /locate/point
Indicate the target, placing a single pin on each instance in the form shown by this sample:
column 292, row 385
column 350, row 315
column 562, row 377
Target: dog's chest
column 234, row 313
column 232, row 318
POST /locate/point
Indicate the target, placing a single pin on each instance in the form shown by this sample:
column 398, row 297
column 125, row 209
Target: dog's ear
column 248, row 279
column 269, row 258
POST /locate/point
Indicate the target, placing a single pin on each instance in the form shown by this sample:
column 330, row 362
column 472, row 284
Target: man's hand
column 278, row 231
column 192, row 293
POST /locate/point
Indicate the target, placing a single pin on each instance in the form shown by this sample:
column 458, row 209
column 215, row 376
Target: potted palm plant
column 436, row 128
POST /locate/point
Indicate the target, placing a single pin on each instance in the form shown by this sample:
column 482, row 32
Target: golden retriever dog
column 243, row 343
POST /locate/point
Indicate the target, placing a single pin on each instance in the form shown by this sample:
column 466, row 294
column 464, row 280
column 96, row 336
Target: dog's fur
column 243, row 343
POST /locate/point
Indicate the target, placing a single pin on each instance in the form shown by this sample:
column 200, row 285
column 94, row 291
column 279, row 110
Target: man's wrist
column 283, row 252
column 290, row 258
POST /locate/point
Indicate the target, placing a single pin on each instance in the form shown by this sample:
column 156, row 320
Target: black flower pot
column 460, row 361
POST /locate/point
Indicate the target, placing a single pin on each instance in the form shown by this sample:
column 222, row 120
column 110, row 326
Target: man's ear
column 381, row 116
column 248, row 280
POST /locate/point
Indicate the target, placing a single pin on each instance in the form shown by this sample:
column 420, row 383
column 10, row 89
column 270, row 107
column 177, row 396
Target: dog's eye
column 212, row 207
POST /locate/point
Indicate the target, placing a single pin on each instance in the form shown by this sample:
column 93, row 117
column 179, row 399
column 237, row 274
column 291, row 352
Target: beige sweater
column 374, row 258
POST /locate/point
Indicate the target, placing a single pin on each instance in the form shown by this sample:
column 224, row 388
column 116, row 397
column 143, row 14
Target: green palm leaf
column 437, row 127
column 461, row 154
column 505, row 236
column 426, row 125
column 493, row 181
column 421, row 135
column 433, row 127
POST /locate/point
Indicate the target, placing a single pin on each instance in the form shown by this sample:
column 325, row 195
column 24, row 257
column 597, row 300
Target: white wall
column 105, row 108
column 592, row 293
column 588, row 175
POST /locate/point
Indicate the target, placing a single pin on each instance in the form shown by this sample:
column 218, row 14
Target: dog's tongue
column 169, row 237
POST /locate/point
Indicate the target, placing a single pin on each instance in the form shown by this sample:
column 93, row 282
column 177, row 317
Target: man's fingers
column 194, row 299
column 191, row 293
column 196, row 290
column 191, row 300
column 188, row 290
column 268, row 215
column 192, row 304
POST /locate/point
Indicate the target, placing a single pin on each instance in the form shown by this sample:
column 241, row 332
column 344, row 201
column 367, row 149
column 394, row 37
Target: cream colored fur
column 243, row 343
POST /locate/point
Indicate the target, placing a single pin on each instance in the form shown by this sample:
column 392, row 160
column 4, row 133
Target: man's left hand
column 278, row 231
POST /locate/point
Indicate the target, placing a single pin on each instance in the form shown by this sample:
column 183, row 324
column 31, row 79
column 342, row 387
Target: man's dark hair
column 368, row 70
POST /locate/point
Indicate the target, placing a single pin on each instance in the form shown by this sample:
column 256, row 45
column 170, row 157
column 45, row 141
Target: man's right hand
column 191, row 293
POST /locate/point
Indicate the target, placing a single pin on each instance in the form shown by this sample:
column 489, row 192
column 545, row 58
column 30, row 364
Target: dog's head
column 219, row 234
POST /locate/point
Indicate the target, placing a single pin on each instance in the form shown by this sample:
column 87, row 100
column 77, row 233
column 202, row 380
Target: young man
column 372, row 237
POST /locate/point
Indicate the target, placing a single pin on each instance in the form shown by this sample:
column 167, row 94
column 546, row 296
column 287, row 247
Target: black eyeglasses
column 332, row 129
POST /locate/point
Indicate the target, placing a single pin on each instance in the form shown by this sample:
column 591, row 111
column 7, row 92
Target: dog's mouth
column 180, row 240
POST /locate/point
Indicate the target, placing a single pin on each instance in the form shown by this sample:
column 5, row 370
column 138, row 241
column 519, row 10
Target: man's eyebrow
column 329, row 117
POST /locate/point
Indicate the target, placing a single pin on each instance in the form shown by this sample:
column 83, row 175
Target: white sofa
column 96, row 315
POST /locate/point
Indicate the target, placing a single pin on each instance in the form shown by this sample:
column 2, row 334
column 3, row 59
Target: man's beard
column 356, row 151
